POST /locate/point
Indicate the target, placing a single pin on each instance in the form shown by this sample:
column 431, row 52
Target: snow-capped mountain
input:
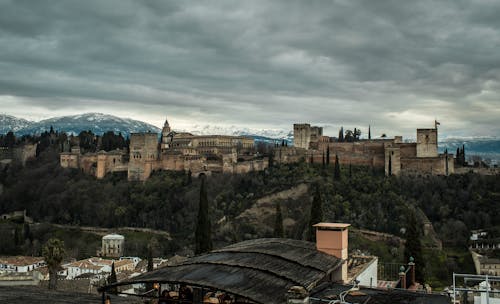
column 486, row 147
column 267, row 135
column 11, row 123
column 96, row 122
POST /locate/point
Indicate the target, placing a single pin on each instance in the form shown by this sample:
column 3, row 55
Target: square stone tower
column 427, row 143
column 143, row 155
column 301, row 135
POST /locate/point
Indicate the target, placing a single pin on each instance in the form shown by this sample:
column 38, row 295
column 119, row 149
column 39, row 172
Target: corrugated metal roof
column 329, row 291
column 261, row 270
column 37, row 295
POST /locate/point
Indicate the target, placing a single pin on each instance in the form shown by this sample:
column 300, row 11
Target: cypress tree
column 369, row 132
column 390, row 165
column 203, row 235
column 150, row 260
column 462, row 156
column 149, row 286
column 328, row 155
column 316, row 214
column 336, row 172
column 413, row 246
column 112, row 279
column 278, row 224
column 323, row 160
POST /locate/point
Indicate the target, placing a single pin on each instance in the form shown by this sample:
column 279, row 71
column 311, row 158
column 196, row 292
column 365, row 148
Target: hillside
column 242, row 206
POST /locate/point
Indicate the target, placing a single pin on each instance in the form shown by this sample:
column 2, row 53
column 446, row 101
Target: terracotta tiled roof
column 123, row 263
column 20, row 260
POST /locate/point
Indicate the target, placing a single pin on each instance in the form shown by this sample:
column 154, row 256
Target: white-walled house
column 95, row 266
column 20, row 263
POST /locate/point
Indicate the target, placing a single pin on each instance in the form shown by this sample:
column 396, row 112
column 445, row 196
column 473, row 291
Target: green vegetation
column 53, row 253
column 316, row 215
column 169, row 201
column 278, row 224
column 203, row 234
column 413, row 246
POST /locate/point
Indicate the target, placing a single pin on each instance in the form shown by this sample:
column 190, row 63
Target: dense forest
column 169, row 201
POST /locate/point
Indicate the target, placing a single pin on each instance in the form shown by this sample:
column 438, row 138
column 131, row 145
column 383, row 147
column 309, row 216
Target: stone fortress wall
column 20, row 153
column 394, row 155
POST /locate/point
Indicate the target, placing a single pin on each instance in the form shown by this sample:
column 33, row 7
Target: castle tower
column 143, row 155
column 101, row 165
column 427, row 143
column 165, row 132
column 301, row 135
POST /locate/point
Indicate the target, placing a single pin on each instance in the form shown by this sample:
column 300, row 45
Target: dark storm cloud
column 394, row 65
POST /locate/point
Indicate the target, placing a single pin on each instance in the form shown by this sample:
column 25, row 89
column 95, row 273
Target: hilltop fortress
column 394, row 155
column 205, row 154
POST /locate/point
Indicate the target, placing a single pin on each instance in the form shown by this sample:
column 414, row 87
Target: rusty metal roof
column 261, row 270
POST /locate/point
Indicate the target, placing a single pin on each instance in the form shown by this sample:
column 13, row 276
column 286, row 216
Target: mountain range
column 96, row 122
column 488, row 148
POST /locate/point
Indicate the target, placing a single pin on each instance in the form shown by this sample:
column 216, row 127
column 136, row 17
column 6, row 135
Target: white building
column 112, row 245
column 95, row 266
column 20, row 263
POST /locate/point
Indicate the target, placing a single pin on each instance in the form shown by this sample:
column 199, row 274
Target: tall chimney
column 332, row 238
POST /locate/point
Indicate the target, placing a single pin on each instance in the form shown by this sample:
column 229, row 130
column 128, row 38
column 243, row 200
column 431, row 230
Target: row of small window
column 139, row 156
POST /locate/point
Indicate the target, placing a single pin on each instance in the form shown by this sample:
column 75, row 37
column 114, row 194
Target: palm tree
column 53, row 253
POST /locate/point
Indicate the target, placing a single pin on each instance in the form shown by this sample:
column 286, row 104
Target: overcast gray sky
column 396, row 65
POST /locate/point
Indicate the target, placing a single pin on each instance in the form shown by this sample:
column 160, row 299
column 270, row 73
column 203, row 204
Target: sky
column 394, row 65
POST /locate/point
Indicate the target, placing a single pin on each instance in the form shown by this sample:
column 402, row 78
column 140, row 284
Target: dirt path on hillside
column 264, row 206
column 104, row 231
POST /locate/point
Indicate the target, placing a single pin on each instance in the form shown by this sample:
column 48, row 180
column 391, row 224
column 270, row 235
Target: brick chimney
column 332, row 238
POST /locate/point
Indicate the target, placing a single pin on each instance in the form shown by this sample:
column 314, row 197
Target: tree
column 349, row 136
column 413, row 246
column 278, row 224
column 10, row 140
column 369, row 132
column 316, row 213
column 341, row 134
column 152, row 247
column 53, row 253
column 390, row 166
column 189, row 177
column 112, row 279
column 328, row 155
column 357, row 134
column 110, row 141
column 87, row 141
column 336, row 170
column 203, row 235
column 271, row 159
